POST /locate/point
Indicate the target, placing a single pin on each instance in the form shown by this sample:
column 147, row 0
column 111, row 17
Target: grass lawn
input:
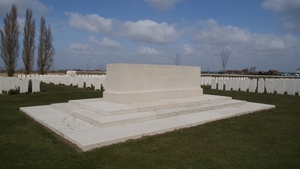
column 268, row 139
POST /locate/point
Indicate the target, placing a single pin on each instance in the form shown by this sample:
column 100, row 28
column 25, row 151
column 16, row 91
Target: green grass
column 268, row 139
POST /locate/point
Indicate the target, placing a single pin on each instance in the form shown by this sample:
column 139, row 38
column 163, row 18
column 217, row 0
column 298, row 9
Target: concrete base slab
column 81, row 122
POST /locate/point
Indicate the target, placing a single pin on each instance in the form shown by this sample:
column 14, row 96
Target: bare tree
column 28, row 42
column 178, row 59
column 225, row 53
column 10, row 41
column 45, row 48
column 252, row 69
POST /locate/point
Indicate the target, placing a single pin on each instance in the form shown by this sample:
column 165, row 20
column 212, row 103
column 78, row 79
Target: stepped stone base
column 93, row 123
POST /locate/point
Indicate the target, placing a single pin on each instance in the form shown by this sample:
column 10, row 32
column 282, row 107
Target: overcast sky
column 91, row 33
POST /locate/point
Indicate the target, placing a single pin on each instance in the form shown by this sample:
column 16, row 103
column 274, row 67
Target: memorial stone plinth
column 130, row 83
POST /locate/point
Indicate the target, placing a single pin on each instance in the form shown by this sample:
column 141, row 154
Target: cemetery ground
column 267, row 139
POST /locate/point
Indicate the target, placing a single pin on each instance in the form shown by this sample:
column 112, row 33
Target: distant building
column 298, row 71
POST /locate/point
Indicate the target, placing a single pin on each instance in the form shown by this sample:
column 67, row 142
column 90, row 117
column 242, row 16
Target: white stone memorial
column 140, row 100
column 128, row 83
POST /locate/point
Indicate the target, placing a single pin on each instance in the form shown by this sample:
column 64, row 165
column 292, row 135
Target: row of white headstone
column 261, row 85
column 80, row 81
column 13, row 83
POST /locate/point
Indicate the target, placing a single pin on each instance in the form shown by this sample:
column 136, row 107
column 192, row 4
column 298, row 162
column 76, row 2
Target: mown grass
column 268, row 139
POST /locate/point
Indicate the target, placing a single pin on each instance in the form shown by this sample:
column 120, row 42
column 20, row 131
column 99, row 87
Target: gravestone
column 221, row 84
column 261, row 85
column 244, row 84
column 235, row 84
column 213, row 84
column 102, row 81
column 129, row 83
column 269, row 84
column 252, row 85
column 80, row 82
column 290, row 86
column 35, row 85
column 227, row 84
column 298, row 86
column 279, row 86
column 23, row 85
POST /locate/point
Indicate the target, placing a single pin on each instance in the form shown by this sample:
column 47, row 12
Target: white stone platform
column 93, row 123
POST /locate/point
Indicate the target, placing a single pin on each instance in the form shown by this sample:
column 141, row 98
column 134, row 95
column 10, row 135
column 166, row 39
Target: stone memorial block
column 227, row 84
column 279, row 86
column 213, row 84
column 261, row 85
column 129, row 83
column 252, row 85
column 35, row 84
column 221, row 84
column 290, row 86
column 269, row 84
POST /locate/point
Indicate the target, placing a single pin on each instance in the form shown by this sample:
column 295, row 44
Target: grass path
column 268, row 139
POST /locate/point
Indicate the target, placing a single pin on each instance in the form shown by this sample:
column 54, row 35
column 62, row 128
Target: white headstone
column 290, row 86
column 252, row 85
column 279, row 86
column 23, row 85
column 80, row 82
column 298, row 86
column 235, row 84
column 35, row 84
column 221, row 84
column 244, row 84
column 213, row 84
column 227, row 84
column 96, row 83
column 129, row 83
column 261, row 85
column 269, row 84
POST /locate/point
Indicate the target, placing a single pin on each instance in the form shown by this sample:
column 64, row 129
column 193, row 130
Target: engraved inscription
column 164, row 77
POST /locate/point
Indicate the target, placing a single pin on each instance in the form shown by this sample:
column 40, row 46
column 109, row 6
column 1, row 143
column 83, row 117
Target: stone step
column 88, row 136
column 108, row 121
column 100, row 119
column 111, row 109
column 197, row 108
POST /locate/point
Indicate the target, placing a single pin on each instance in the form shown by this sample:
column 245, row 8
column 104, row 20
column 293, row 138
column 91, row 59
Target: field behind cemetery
column 268, row 139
